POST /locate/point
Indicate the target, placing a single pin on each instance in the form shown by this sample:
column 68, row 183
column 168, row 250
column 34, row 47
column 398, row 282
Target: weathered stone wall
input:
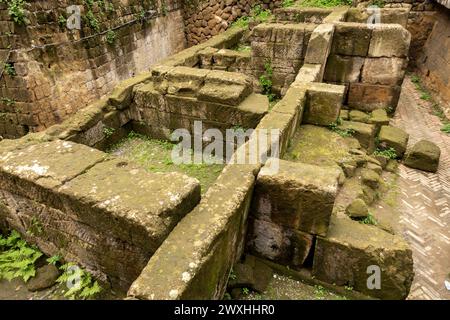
column 60, row 71
column 420, row 21
column 207, row 18
column 434, row 64
column 371, row 61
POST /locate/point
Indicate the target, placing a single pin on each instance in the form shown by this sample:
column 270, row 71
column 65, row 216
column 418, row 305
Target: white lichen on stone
column 35, row 168
column 186, row 277
column 173, row 293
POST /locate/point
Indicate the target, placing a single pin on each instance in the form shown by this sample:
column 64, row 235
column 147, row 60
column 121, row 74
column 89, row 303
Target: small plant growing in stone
column 16, row 10
column 370, row 219
column 265, row 81
column 446, row 128
column 83, row 286
column 92, row 21
column 9, row 69
column 335, row 127
column 8, row 101
column 111, row 37
column 108, row 131
column 232, row 275
column 287, row 3
column 54, row 259
column 389, row 153
column 17, row 258
column 62, row 21
column 245, row 291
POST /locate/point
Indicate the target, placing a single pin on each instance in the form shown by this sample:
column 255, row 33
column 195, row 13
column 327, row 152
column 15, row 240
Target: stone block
column 185, row 81
column 122, row 94
column 309, row 73
column 351, row 39
column 389, row 40
column 320, row 44
column 229, row 88
column 351, row 252
column 358, row 116
column 384, row 71
column 391, row 137
column 323, row 103
column 278, row 243
column 368, row 97
column 379, row 117
column 364, row 133
column 424, row 155
column 343, row 69
column 206, row 56
column 299, row 196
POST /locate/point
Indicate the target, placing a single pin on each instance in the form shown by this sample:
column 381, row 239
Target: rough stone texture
column 198, row 254
column 319, row 45
column 107, row 215
column 308, row 73
column 343, row 69
column 357, row 209
column 388, row 15
column 364, row 133
column 391, row 137
column 301, row 15
column 299, row 196
column 45, row 278
column 358, row 116
column 323, row 103
column 284, row 47
column 434, row 63
column 379, row 117
column 368, row 97
column 385, row 71
column 351, row 39
column 389, row 41
column 206, row 19
column 351, row 247
column 424, row 155
column 56, row 75
column 278, row 243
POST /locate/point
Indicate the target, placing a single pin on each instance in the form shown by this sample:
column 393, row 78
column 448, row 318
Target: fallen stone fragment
column 391, row 137
column 45, row 278
column 424, row 155
column 370, row 260
column 357, row 209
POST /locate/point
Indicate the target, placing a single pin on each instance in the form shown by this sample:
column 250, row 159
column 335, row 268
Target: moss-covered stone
column 370, row 178
column 391, row 137
column 424, row 155
column 379, row 117
column 357, row 209
column 350, row 248
column 365, row 133
column 299, row 196
column 358, row 116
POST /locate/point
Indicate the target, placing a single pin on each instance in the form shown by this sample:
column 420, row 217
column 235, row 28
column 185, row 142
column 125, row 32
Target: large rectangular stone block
column 343, row 69
column 351, row 39
column 389, row 40
column 384, row 71
column 298, row 196
column 323, row 103
column 354, row 254
column 320, row 44
column 368, row 97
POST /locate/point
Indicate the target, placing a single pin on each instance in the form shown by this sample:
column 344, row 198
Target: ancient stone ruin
column 326, row 79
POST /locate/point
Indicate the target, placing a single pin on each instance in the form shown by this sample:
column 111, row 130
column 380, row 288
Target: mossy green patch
column 156, row 156
column 319, row 146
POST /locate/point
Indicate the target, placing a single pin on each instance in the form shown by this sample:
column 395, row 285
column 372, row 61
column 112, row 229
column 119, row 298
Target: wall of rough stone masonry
column 207, row 18
column 371, row 62
column 282, row 47
column 434, row 63
column 54, row 81
column 421, row 19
